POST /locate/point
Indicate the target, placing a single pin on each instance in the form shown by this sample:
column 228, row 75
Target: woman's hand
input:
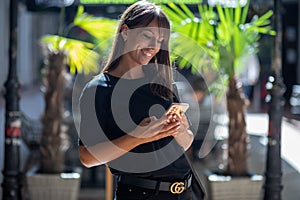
column 152, row 129
column 174, row 118
column 185, row 136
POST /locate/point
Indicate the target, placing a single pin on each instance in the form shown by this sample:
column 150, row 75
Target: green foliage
column 133, row 1
column 215, row 39
column 100, row 28
column 80, row 55
column 83, row 56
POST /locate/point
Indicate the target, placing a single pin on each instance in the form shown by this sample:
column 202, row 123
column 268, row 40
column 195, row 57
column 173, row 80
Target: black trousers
column 128, row 192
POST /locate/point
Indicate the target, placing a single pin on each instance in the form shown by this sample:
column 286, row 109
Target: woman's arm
column 104, row 152
column 150, row 129
column 185, row 136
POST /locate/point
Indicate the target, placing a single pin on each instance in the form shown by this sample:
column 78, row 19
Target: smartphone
column 176, row 108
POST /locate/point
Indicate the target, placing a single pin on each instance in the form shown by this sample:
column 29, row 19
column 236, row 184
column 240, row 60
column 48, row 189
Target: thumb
column 152, row 118
column 148, row 120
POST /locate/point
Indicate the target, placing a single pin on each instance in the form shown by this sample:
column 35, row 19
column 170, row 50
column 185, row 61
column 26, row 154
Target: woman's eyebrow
column 149, row 30
column 160, row 36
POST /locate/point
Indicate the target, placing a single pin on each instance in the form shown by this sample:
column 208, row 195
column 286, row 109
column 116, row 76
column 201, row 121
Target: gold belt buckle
column 177, row 188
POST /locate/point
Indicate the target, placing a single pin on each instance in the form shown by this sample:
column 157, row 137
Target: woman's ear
column 124, row 32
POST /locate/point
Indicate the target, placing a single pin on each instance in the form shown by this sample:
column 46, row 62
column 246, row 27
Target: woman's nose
column 154, row 44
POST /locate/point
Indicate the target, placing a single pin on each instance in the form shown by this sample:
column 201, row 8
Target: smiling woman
column 123, row 112
column 142, row 44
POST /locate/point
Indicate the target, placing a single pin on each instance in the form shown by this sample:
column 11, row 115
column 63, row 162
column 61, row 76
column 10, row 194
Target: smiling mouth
column 147, row 52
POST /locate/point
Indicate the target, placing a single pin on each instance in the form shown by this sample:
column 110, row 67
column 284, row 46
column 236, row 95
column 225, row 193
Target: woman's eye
column 147, row 36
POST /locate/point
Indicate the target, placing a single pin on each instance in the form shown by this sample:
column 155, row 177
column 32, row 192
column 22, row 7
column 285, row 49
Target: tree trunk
column 52, row 141
column 238, row 138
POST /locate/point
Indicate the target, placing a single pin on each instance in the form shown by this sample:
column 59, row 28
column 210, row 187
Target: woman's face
column 142, row 44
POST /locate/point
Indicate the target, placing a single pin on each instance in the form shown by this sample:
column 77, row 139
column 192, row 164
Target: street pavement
column 32, row 103
column 257, row 126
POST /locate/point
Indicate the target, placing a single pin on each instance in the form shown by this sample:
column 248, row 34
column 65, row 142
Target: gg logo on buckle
column 177, row 188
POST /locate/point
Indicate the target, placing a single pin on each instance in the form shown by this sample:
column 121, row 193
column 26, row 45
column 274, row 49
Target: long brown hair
column 138, row 15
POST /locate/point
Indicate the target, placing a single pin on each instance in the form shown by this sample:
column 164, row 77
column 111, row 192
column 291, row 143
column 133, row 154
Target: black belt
column 175, row 187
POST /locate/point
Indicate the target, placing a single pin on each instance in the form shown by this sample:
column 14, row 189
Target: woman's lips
column 148, row 52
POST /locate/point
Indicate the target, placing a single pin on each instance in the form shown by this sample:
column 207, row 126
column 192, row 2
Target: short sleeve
column 91, row 132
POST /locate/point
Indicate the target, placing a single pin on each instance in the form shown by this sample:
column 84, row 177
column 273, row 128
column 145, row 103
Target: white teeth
column 147, row 54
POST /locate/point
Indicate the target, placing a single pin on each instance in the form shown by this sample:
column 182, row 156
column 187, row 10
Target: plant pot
column 53, row 186
column 235, row 188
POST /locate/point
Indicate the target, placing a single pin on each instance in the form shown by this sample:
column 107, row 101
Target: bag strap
column 194, row 172
column 196, row 177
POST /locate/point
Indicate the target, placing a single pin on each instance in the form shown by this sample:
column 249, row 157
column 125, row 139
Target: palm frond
column 81, row 56
column 245, row 12
column 180, row 12
column 186, row 10
column 101, row 28
column 176, row 19
column 221, row 37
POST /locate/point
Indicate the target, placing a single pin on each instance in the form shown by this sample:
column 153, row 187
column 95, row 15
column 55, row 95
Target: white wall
column 24, row 61
column 4, row 31
column 31, row 26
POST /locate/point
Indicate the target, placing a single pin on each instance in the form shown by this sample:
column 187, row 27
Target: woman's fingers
column 146, row 121
column 153, row 129
column 171, row 131
column 175, row 117
column 159, row 132
column 158, row 124
column 171, row 127
column 149, row 127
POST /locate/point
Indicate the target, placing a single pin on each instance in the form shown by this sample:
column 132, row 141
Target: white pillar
column 24, row 61
column 4, row 41
column 4, row 24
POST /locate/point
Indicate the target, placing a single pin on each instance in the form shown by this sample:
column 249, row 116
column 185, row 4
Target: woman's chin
column 145, row 62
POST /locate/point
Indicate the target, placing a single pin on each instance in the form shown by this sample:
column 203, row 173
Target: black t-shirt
column 111, row 107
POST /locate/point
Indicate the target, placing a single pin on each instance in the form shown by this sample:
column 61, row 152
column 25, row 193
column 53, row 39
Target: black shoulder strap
column 197, row 186
column 198, row 189
column 176, row 96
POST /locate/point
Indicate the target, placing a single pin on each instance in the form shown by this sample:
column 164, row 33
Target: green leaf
column 207, row 45
column 187, row 11
column 238, row 12
column 173, row 15
column 221, row 13
column 264, row 19
column 80, row 11
column 178, row 11
column 245, row 13
column 80, row 55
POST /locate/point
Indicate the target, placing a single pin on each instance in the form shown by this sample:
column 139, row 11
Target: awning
column 133, row 1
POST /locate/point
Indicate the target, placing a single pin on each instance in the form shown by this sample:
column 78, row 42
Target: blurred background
column 37, row 18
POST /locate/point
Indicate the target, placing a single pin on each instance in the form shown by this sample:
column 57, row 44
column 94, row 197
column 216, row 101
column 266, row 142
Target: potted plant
column 64, row 55
column 217, row 41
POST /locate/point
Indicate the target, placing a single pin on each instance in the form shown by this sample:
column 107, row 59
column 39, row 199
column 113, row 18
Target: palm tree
column 79, row 56
column 217, row 40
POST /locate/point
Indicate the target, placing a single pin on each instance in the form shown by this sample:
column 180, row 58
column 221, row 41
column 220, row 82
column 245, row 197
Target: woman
column 123, row 121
